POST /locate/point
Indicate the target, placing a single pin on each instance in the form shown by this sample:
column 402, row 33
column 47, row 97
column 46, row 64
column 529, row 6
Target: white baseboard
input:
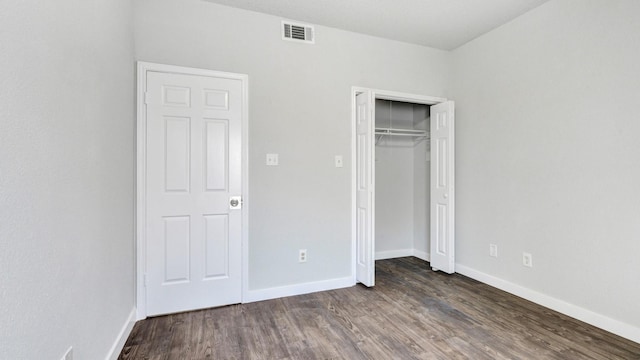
column 115, row 350
column 614, row 326
column 391, row 254
column 381, row 255
column 422, row 255
column 306, row 288
column 298, row 289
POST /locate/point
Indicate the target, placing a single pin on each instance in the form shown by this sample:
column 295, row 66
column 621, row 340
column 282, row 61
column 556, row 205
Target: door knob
column 445, row 196
column 235, row 202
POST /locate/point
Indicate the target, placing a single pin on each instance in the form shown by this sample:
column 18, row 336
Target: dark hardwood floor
column 411, row 313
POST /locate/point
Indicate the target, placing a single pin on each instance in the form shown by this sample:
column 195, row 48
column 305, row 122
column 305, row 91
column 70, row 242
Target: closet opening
column 401, row 179
column 403, row 196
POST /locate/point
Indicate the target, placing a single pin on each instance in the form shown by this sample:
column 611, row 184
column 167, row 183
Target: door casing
column 382, row 95
column 141, row 154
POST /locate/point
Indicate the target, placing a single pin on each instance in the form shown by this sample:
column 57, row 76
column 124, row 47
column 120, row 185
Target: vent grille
column 297, row 32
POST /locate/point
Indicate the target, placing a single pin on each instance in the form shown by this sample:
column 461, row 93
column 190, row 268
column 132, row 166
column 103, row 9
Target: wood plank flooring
column 411, row 313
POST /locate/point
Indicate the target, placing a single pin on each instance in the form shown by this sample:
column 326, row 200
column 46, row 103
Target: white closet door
column 442, row 187
column 193, row 171
column 365, row 235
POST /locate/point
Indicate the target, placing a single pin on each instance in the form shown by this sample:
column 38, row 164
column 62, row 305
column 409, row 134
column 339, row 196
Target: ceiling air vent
column 297, row 32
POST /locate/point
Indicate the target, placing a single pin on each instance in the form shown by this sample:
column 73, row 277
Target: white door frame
column 141, row 155
column 383, row 95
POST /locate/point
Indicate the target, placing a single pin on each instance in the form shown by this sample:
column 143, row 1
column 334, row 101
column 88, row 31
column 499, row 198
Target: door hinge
column 146, row 97
column 144, row 280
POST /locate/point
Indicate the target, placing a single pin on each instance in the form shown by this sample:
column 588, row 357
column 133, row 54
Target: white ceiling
column 442, row 24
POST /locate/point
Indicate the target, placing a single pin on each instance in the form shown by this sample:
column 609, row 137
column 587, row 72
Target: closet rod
column 401, row 132
column 419, row 134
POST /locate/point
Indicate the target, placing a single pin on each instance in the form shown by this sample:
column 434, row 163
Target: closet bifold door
column 442, row 225
column 365, row 185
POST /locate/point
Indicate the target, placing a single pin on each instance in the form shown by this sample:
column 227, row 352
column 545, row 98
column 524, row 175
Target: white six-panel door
column 442, row 187
column 365, row 169
column 193, row 168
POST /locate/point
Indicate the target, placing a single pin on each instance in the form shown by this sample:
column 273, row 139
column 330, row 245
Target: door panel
column 216, row 246
column 365, row 235
column 442, row 187
column 216, row 154
column 193, row 167
column 177, row 145
column 177, row 239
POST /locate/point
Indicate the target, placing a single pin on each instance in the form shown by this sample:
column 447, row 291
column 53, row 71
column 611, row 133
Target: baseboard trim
column 422, row 255
column 298, row 289
column 117, row 347
column 613, row 326
column 392, row 254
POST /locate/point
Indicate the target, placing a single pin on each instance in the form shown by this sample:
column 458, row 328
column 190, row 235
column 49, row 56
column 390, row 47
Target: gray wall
column 548, row 155
column 66, row 177
column 300, row 108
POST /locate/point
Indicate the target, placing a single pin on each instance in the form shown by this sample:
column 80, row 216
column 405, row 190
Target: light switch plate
column 339, row 162
column 272, row 159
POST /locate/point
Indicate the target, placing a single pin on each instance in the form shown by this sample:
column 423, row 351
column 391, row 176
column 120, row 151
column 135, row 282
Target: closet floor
column 411, row 313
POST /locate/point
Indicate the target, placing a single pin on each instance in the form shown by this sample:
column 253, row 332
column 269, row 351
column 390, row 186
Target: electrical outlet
column 69, row 354
column 493, row 250
column 302, row 255
column 527, row 259
column 272, row 159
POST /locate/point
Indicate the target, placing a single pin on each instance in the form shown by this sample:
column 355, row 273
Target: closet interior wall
column 402, row 181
